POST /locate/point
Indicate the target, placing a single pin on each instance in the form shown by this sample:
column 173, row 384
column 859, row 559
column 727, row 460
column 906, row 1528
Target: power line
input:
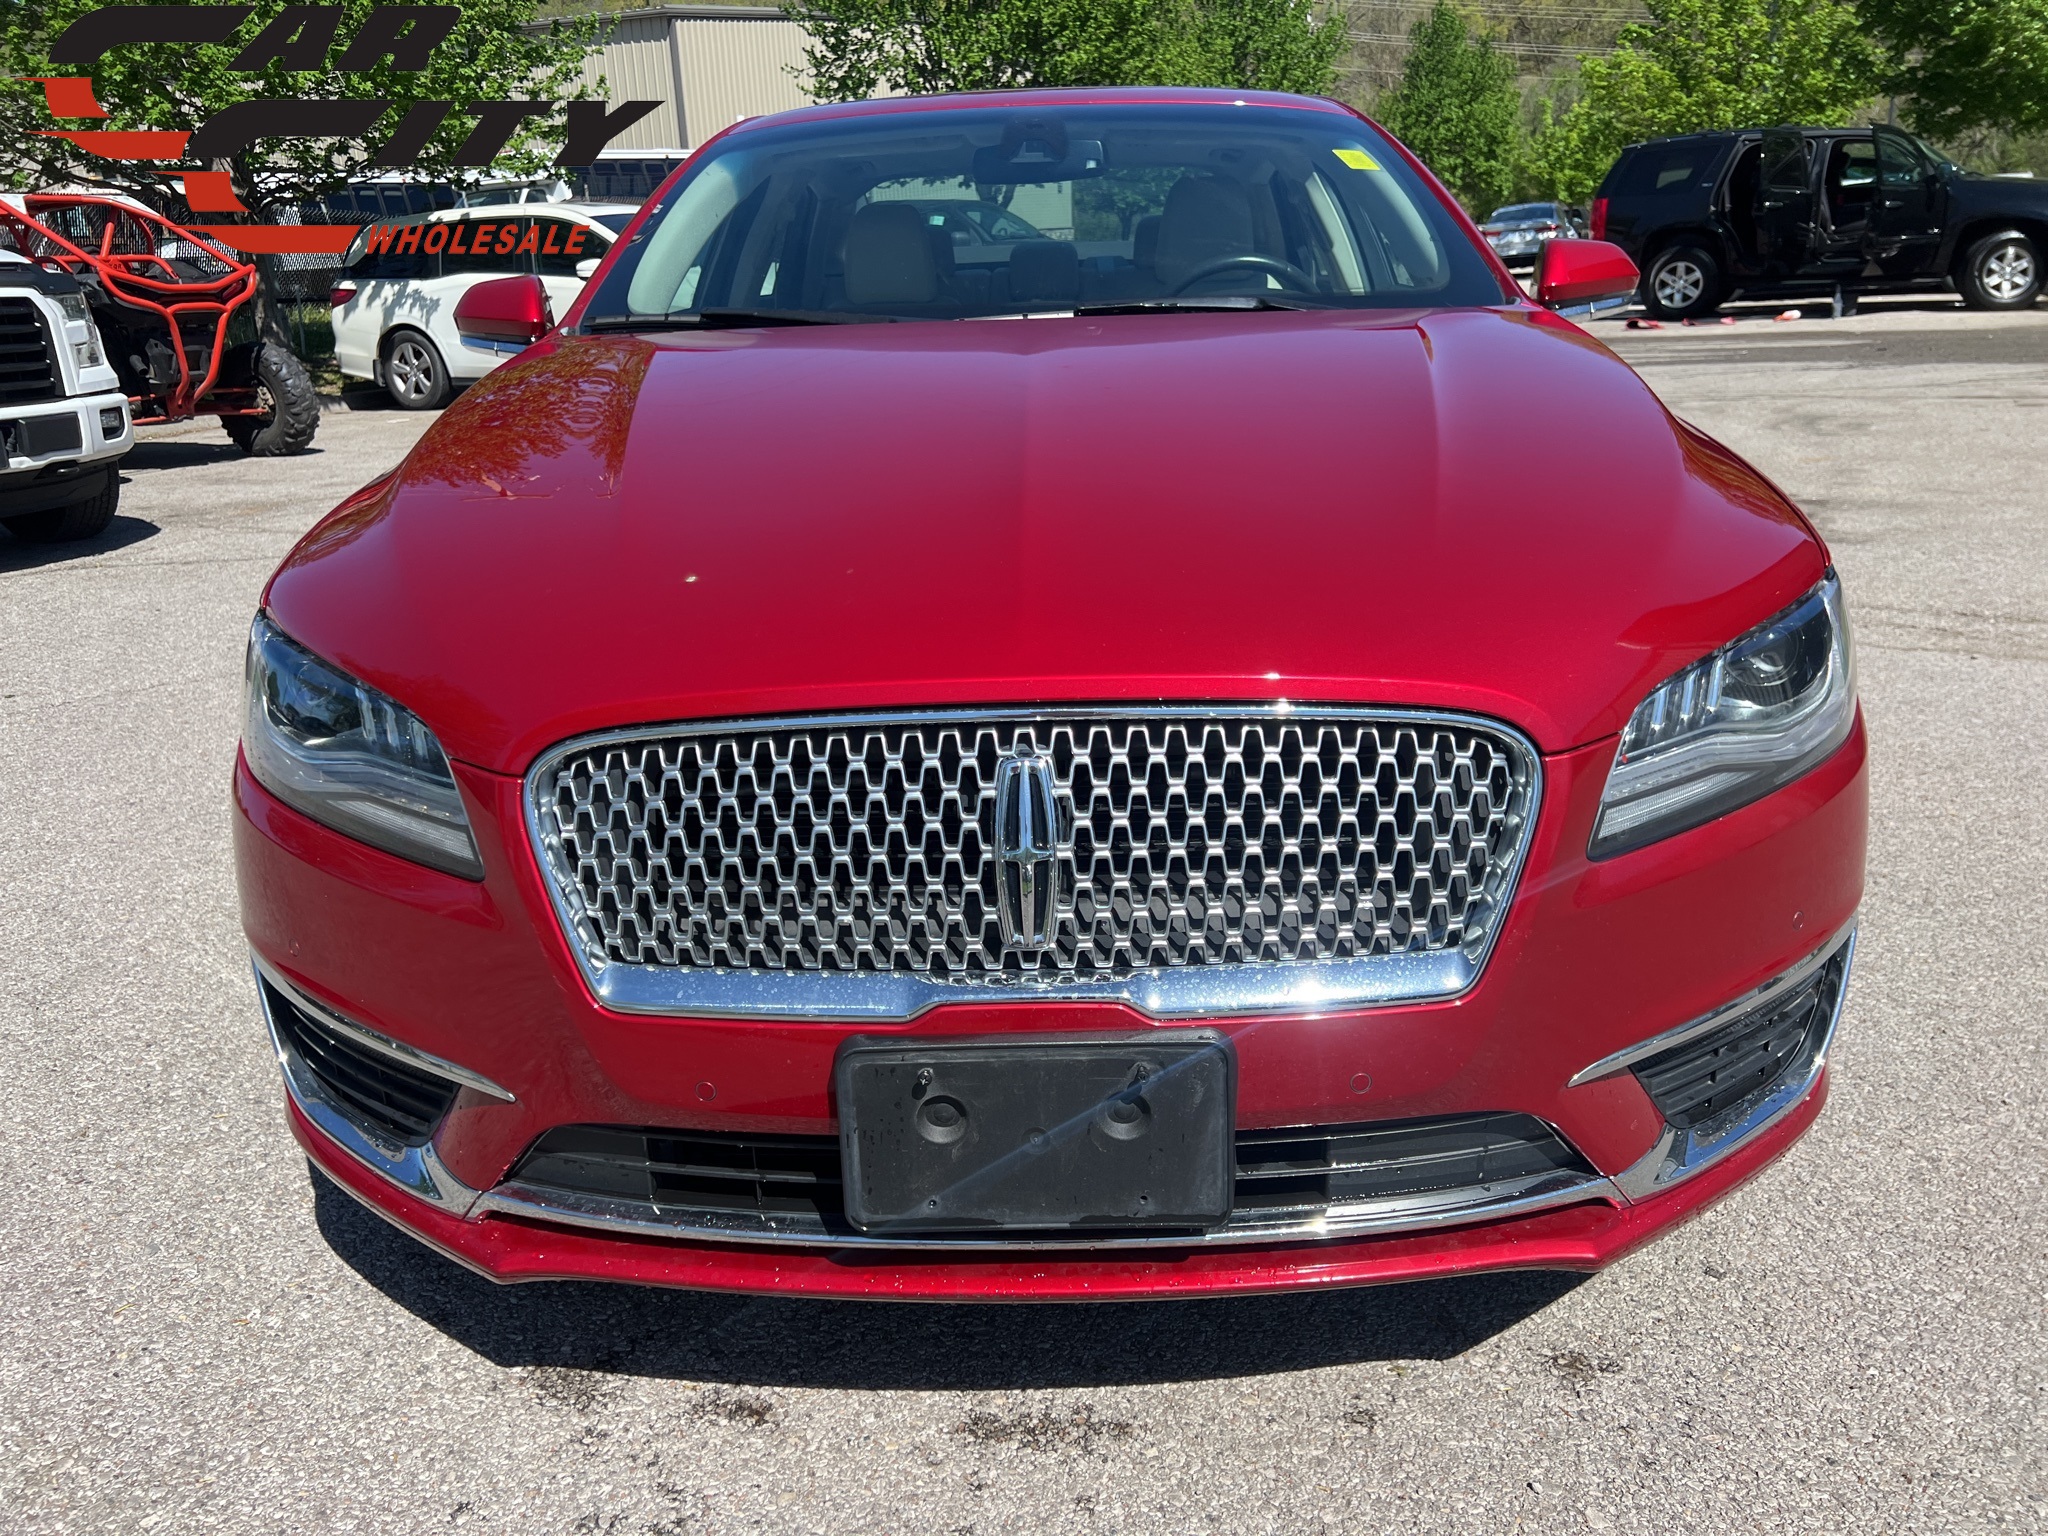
column 1542, row 50
column 1620, row 14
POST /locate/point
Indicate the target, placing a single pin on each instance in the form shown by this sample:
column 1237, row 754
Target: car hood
column 1480, row 510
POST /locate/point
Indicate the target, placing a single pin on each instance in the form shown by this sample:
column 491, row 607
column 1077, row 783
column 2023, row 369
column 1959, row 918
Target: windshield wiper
column 726, row 319
column 1225, row 301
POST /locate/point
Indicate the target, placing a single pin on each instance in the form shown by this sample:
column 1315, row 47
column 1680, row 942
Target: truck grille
column 27, row 370
column 1185, row 838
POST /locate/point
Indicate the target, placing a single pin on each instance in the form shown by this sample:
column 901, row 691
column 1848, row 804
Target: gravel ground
column 195, row 1336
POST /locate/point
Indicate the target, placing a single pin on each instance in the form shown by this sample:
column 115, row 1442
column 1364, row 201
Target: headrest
column 1206, row 219
column 892, row 256
column 1044, row 269
column 1145, row 241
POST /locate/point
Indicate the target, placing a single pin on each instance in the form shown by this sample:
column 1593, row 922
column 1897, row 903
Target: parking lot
column 196, row 1335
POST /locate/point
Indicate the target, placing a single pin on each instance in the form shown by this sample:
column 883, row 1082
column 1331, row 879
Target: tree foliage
column 488, row 57
column 862, row 47
column 1965, row 66
column 1701, row 64
column 1457, row 107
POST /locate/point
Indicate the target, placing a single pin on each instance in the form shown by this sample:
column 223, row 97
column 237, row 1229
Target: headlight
column 350, row 757
column 83, row 334
column 1733, row 726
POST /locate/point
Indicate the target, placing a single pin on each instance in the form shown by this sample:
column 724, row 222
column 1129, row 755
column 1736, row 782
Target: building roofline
column 676, row 13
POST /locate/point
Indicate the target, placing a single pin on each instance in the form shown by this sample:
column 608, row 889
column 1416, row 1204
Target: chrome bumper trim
column 1676, row 1156
column 1359, row 1219
column 1679, row 1155
column 383, row 1045
column 418, row 1171
column 1182, row 992
column 1713, row 1019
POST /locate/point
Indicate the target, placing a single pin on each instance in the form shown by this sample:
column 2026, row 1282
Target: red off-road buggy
column 174, row 309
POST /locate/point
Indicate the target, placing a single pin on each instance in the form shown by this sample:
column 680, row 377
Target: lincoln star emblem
column 1028, row 838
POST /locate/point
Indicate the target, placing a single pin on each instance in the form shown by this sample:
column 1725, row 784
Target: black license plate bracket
column 1044, row 1133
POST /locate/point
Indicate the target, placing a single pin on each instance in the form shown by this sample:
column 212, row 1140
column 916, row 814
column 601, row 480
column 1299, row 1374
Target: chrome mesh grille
column 1188, row 838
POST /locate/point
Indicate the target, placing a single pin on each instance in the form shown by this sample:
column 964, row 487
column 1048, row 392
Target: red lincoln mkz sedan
column 1208, row 746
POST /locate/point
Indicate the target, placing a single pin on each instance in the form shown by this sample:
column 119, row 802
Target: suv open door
column 1912, row 198
column 1784, row 204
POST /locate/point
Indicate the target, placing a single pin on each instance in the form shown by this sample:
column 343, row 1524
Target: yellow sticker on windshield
column 1357, row 159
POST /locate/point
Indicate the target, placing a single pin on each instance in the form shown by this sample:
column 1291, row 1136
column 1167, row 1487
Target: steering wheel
column 1286, row 271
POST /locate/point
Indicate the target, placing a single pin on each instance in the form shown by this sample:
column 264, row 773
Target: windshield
column 1941, row 161
column 1523, row 213
column 957, row 213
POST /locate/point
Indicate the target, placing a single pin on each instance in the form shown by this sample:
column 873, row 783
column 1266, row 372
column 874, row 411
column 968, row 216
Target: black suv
column 1783, row 210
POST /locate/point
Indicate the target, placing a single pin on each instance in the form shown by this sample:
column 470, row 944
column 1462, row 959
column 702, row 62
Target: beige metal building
column 709, row 65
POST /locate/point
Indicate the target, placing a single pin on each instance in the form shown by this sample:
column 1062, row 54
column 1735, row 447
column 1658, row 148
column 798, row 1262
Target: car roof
column 1097, row 96
column 582, row 213
column 1716, row 135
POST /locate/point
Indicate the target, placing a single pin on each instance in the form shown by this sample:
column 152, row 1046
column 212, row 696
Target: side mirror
column 1582, row 274
column 587, row 266
column 505, row 314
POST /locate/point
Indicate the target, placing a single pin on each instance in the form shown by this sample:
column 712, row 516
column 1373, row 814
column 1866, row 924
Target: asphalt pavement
column 196, row 1336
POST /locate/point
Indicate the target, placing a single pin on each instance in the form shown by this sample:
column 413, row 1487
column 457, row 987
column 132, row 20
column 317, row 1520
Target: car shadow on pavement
column 20, row 555
column 183, row 453
column 770, row 1341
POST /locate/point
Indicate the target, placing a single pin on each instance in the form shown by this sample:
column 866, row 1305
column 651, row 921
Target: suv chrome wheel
column 1679, row 284
column 2008, row 271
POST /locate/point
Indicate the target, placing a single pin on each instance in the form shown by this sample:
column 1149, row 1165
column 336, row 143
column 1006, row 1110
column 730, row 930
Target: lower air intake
column 1314, row 1167
column 790, row 1185
column 402, row 1103
column 704, row 1172
column 1697, row 1082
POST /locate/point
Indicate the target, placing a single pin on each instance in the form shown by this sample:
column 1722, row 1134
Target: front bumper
column 53, row 452
column 1594, row 961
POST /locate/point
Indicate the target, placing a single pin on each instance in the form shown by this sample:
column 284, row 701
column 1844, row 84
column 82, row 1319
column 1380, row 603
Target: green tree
column 1700, row 64
column 1456, row 106
column 488, row 57
column 1965, row 65
column 862, row 47
column 1252, row 45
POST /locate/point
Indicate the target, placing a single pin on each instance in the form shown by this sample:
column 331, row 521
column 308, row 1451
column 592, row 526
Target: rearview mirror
column 1035, row 160
column 505, row 314
column 586, row 266
column 1581, row 275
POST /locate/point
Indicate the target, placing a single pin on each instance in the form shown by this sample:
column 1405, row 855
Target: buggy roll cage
column 145, row 280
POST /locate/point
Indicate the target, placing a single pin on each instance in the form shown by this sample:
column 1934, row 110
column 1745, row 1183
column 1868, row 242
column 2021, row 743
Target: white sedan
column 394, row 303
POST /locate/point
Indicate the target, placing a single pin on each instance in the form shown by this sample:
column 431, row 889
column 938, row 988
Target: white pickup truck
column 63, row 416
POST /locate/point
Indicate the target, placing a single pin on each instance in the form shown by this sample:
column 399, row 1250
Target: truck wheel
column 86, row 519
column 1682, row 282
column 414, row 373
column 2001, row 271
column 292, row 409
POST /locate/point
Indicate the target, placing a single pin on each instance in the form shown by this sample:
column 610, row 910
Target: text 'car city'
column 1018, row 751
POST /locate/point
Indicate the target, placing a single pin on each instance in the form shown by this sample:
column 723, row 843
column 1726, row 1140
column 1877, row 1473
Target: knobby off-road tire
column 86, row 519
column 1681, row 282
column 2001, row 271
column 282, row 384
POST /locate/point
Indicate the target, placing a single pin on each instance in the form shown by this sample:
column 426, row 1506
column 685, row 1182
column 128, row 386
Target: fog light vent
column 401, row 1102
column 1706, row 1077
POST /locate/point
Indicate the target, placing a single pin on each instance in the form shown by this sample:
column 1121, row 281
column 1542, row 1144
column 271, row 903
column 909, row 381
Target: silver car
column 1517, row 232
